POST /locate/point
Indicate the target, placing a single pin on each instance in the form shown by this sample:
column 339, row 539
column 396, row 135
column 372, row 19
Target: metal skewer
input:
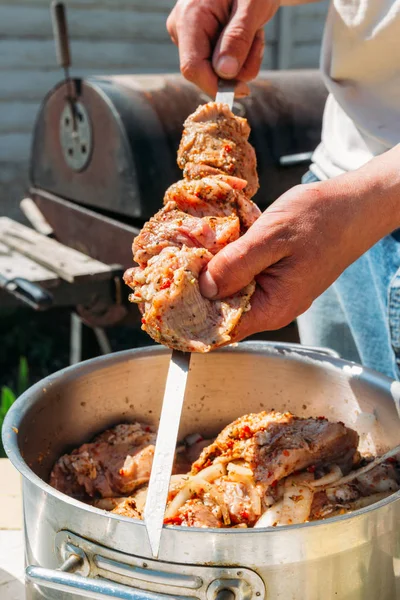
column 164, row 453
column 226, row 92
column 171, row 411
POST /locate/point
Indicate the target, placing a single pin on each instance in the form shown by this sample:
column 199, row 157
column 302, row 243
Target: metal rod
column 60, row 32
column 75, row 351
column 71, row 564
column 102, row 340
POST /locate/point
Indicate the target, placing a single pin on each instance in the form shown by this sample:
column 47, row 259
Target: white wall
column 107, row 36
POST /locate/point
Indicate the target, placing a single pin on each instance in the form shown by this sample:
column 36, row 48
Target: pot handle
column 318, row 350
column 100, row 589
column 87, row 587
column 303, row 348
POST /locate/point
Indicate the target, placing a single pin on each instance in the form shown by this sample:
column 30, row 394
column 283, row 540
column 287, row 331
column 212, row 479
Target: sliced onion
column 193, row 438
column 182, row 496
column 297, row 500
column 368, row 500
column 354, row 474
column 197, row 485
column 334, row 475
column 255, row 499
column 212, row 472
column 240, row 470
column 140, row 499
column 108, row 503
column 271, row 516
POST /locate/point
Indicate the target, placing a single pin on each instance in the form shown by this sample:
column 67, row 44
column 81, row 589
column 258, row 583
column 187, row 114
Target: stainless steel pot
column 74, row 550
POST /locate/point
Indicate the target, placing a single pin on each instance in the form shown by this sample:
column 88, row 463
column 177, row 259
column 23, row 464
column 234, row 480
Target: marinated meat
column 214, row 196
column 214, row 137
column 172, row 227
column 274, row 445
column 204, row 212
column 262, row 470
column 195, row 513
column 115, row 463
column 174, row 311
column 362, row 490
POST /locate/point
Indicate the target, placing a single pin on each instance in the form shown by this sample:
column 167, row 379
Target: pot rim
column 291, row 351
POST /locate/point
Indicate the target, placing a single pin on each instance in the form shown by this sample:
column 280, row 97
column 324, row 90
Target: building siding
column 107, row 36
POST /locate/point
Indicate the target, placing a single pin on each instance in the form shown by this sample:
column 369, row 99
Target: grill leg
column 75, row 344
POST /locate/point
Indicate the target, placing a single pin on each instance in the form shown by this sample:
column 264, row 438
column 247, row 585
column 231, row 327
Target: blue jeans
column 359, row 315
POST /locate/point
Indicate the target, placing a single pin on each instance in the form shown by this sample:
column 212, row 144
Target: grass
column 8, row 396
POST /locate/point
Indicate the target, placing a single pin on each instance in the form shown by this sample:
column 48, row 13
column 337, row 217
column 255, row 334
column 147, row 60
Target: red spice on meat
column 173, row 521
column 245, row 432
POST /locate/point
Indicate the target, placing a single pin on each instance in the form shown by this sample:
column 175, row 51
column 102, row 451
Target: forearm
column 373, row 194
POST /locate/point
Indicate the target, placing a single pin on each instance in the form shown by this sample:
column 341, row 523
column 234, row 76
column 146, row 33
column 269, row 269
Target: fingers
column 206, row 54
column 236, row 265
column 274, row 304
column 195, row 34
column 236, row 40
column 253, row 62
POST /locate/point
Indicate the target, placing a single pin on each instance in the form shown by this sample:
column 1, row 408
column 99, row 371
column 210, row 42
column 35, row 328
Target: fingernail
column 227, row 66
column 208, row 286
column 262, row 50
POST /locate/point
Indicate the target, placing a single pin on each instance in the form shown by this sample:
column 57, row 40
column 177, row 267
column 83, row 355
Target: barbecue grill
column 103, row 154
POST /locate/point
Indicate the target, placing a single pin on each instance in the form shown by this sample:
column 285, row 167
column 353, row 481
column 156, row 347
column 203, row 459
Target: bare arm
column 305, row 240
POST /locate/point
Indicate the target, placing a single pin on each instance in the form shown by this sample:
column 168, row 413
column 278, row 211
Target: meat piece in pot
column 174, row 311
column 194, row 513
column 274, row 445
column 115, row 463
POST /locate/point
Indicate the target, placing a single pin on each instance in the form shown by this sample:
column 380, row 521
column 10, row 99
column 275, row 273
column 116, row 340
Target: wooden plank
column 69, row 264
column 18, row 117
column 312, row 9
column 116, row 5
column 15, row 147
column 34, row 22
column 40, row 54
column 34, row 84
column 13, row 264
column 11, row 172
column 305, row 56
column 309, row 21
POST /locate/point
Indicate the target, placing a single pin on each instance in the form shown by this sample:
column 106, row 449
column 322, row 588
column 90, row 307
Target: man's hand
column 304, row 241
column 222, row 38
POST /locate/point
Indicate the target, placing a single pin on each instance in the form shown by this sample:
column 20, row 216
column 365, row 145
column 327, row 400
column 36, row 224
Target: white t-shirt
column 360, row 63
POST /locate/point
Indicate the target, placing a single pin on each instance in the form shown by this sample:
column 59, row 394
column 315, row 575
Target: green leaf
column 23, row 376
column 7, row 399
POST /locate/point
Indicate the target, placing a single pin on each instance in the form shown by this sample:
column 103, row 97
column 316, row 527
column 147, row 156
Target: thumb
column 234, row 267
column 235, row 41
